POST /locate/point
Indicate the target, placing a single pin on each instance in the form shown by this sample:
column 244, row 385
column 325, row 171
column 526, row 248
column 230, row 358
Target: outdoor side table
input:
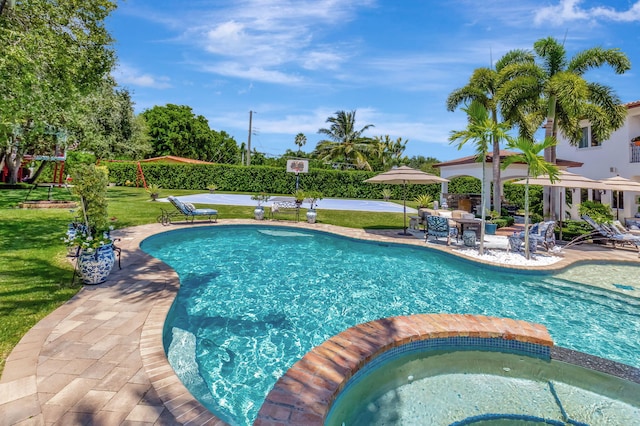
column 469, row 238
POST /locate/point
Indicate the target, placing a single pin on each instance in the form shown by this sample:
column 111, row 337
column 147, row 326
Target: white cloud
column 571, row 10
column 273, row 37
column 319, row 60
column 127, row 75
column 253, row 73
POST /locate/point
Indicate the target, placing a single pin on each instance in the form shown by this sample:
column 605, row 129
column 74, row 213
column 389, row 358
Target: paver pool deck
column 99, row 358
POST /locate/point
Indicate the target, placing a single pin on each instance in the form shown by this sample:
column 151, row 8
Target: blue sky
column 296, row 62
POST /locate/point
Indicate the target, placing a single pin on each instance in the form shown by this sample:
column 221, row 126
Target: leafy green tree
column 223, row 149
column 485, row 86
column 108, row 126
column 176, row 130
column 529, row 154
column 424, row 163
column 51, row 55
column 345, row 144
column 482, row 130
column 300, row 141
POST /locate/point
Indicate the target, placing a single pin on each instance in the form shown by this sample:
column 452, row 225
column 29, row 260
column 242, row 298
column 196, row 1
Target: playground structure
column 58, row 180
column 26, row 174
column 140, row 179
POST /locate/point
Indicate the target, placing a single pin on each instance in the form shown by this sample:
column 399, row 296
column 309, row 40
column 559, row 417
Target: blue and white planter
column 311, row 216
column 258, row 213
column 94, row 267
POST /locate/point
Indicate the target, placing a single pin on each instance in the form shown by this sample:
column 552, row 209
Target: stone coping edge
column 304, row 395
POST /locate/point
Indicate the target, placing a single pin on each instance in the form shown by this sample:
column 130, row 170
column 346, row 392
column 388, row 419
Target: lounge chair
column 610, row 233
column 187, row 210
column 438, row 226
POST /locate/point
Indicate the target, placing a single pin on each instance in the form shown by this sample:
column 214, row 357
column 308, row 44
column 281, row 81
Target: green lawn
column 35, row 274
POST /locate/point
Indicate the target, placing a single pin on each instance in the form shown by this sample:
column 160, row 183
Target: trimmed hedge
column 271, row 180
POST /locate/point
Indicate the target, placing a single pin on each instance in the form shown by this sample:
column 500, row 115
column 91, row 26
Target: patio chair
column 610, row 233
column 187, row 210
column 540, row 234
column 438, row 226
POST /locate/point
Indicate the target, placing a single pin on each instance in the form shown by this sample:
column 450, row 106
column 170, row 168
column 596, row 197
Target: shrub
column 535, row 218
column 255, row 179
column 424, row 200
column 573, row 228
column 501, row 222
column 600, row 213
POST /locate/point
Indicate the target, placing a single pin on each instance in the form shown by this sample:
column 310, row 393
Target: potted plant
column 154, row 191
column 490, row 225
column 313, row 197
column 258, row 212
column 299, row 197
column 212, row 187
column 90, row 235
column 386, row 194
column 424, row 202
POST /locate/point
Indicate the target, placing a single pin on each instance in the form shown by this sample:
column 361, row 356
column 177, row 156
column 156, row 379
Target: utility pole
column 249, row 139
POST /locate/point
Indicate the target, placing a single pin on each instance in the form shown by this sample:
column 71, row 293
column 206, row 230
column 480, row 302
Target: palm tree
column 563, row 97
column 388, row 153
column 301, row 139
column 345, row 143
column 485, row 86
column 482, row 130
column 536, row 166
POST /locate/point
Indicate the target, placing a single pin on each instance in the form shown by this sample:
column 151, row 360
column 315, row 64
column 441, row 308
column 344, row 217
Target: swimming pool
column 254, row 299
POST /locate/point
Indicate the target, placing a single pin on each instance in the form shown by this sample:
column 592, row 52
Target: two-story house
column 617, row 156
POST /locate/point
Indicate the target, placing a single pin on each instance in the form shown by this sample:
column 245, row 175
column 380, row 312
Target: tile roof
column 503, row 154
column 174, row 159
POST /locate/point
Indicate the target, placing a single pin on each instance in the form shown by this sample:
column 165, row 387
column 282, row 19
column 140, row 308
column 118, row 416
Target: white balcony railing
column 635, row 153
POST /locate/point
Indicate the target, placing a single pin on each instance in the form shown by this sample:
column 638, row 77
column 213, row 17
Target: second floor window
column 588, row 139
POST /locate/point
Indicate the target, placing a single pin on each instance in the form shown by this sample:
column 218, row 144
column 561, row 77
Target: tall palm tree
column 536, row 166
column 482, row 130
column 563, row 97
column 485, row 86
column 569, row 98
column 345, row 143
column 300, row 140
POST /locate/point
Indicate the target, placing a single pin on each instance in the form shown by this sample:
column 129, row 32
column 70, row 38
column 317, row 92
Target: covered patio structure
column 469, row 166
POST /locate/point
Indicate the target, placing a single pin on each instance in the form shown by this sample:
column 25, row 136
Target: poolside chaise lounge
column 612, row 234
column 187, row 210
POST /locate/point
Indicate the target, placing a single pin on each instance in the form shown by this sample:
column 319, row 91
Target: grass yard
column 35, row 274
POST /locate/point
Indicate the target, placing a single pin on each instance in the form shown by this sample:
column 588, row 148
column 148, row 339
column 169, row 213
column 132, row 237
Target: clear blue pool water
column 253, row 300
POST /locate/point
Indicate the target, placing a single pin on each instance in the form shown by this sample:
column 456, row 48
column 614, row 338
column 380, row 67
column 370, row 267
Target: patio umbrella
column 618, row 183
column 404, row 175
column 565, row 179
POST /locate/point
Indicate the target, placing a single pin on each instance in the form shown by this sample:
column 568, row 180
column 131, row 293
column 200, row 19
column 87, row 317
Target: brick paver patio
column 99, row 359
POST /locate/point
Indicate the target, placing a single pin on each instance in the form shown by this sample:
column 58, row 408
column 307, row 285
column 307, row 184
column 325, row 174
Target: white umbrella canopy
column 618, row 183
column 404, row 175
column 565, row 179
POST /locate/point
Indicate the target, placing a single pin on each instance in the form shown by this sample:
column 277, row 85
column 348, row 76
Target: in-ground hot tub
column 436, row 387
column 446, row 370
